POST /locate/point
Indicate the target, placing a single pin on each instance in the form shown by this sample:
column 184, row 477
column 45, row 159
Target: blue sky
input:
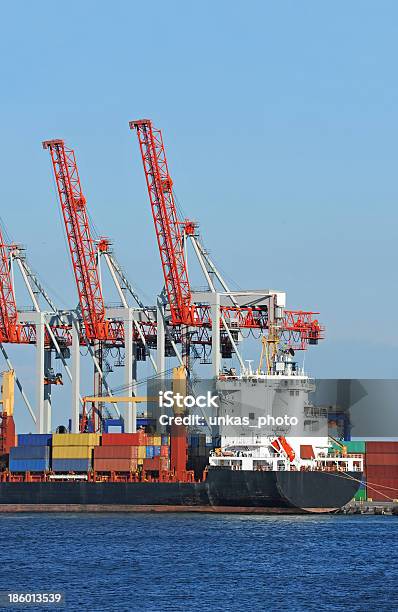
column 281, row 127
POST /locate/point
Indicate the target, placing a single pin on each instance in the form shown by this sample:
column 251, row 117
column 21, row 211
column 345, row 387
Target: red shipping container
column 384, row 489
column 382, row 459
column 115, row 465
column 381, row 447
column 115, row 452
column 124, row 439
column 164, row 451
column 152, row 464
column 381, row 471
column 134, row 452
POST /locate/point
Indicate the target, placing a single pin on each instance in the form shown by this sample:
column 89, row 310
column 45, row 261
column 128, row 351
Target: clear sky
column 281, row 126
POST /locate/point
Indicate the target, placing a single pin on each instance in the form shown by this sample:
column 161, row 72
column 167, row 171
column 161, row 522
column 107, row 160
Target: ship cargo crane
column 81, row 244
column 298, row 326
column 10, row 330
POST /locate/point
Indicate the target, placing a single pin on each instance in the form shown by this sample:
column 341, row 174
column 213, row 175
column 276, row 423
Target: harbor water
column 152, row 562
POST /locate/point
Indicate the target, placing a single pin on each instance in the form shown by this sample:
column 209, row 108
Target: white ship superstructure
column 281, row 429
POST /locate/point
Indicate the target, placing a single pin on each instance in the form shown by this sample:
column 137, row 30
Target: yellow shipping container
column 83, row 439
column 140, row 461
column 141, row 454
column 157, row 440
column 72, row 452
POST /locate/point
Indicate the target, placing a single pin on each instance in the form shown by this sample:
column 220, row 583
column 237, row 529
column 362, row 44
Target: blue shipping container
column 35, row 439
column 30, row 452
column 194, row 441
column 165, row 439
column 29, row 465
column 156, row 451
column 114, row 426
column 144, row 422
column 71, row 465
column 149, row 452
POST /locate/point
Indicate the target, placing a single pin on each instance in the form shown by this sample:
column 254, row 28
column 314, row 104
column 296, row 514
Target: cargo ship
column 272, row 473
column 272, row 469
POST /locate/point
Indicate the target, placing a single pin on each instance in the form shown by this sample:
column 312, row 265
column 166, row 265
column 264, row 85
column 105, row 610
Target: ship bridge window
column 251, row 416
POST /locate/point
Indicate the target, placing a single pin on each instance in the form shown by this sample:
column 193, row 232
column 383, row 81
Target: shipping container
column 115, row 465
column 193, row 440
column 165, row 439
column 355, row 446
column 71, row 465
column 156, row 451
column 381, row 447
column 352, row 446
column 29, row 465
column 34, row 439
column 141, row 452
column 156, row 464
column 72, row 452
column 149, row 440
column 385, row 489
column 30, row 452
column 164, row 451
column 152, row 464
column 82, row 439
column 381, row 471
column 140, row 461
column 115, row 452
column 382, row 459
column 361, row 495
column 114, row 426
column 149, row 452
column 157, row 440
column 124, row 439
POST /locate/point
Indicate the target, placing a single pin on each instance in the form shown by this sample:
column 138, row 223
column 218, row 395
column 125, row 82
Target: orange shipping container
column 115, row 465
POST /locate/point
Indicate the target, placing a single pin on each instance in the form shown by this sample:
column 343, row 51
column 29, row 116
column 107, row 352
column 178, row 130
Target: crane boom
column 81, row 245
column 9, row 328
column 168, row 233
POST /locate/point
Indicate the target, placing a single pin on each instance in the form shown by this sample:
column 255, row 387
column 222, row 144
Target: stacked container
column 382, row 470
column 129, row 452
column 73, row 452
column 198, row 453
column 32, row 453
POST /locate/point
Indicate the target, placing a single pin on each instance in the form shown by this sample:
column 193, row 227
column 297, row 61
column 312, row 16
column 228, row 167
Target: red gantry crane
column 10, row 330
column 81, row 245
column 298, row 325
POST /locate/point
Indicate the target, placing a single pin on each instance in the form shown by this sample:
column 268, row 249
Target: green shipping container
column 355, row 446
column 352, row 446
column 361, row 495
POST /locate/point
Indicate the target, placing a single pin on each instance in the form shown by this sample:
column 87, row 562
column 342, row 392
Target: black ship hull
column 224, row 490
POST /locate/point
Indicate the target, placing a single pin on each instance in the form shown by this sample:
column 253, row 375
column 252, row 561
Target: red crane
column 169, row 238
column 81, row 244
column 160, row 189
column 10, row 330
